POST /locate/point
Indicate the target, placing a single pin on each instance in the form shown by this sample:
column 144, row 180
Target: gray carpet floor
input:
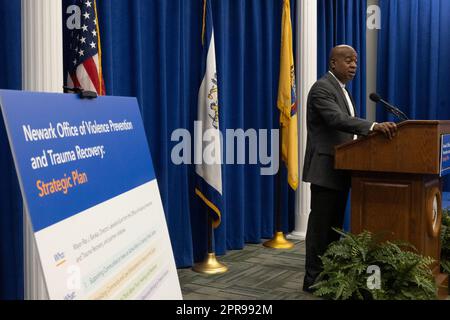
column 255, row 273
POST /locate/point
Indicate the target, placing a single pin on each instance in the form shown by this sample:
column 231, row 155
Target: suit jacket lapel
column 338, row 88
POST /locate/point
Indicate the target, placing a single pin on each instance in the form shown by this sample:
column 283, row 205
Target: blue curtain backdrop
column 344, row 22
column 11, row 263
column 413, row 59
column 152, row 50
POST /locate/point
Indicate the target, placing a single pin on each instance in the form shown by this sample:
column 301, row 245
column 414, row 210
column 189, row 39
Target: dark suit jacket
column 329, row 124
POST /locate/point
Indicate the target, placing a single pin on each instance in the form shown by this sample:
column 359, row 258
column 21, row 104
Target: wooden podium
column 396, row 186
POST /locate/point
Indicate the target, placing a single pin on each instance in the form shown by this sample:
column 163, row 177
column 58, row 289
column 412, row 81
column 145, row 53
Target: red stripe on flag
column 92, row 71
column 75, row 81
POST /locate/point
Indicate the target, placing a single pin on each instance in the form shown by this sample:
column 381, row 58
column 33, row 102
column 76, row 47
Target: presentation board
column 445, row 155
column 89, row 186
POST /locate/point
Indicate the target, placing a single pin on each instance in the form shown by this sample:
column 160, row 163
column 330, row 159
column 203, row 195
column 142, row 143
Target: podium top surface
column 415, row 150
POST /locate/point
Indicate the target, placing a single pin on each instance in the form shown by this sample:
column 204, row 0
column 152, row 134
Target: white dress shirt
column 349, row 102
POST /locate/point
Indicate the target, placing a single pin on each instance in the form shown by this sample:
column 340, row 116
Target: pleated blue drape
column 413, row 59
column 152, row 50
column 11, row 253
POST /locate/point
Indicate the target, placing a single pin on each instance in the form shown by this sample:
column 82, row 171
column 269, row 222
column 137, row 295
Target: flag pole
column 210, row 265
column 212, row 174
column 279, row 240
column 286, row 103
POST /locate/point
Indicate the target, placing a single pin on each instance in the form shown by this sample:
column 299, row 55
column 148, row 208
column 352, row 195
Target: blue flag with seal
column 208, row 155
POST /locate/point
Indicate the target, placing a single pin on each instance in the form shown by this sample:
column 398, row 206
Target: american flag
column 84, row 54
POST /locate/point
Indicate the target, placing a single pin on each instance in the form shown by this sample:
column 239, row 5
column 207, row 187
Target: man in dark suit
column 331, row 121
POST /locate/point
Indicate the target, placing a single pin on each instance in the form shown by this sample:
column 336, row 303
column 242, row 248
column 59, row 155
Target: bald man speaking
column 331, row 121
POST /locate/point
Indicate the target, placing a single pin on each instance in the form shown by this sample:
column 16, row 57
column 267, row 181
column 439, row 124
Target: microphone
column 395, row 111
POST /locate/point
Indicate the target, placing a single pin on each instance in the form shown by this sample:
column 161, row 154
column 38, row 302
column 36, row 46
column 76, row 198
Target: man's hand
column 389, row 129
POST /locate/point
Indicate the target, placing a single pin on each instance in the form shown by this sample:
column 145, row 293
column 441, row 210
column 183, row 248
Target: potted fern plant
column 402, row 273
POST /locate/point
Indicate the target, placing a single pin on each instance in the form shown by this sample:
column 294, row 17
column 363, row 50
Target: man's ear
column 332, row 64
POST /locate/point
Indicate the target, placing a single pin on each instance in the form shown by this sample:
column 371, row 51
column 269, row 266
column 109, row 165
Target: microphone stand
column 395, row 111
column 399, row 114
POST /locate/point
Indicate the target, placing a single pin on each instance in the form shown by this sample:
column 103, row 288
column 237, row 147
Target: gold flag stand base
column 279, row 242
column 210, row 265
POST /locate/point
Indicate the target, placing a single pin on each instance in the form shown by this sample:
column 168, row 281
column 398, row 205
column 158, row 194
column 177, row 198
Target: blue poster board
column 445, row 155
column 89, row 186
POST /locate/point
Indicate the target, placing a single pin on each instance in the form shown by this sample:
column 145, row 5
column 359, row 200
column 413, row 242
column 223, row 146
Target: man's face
column 345, row 64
